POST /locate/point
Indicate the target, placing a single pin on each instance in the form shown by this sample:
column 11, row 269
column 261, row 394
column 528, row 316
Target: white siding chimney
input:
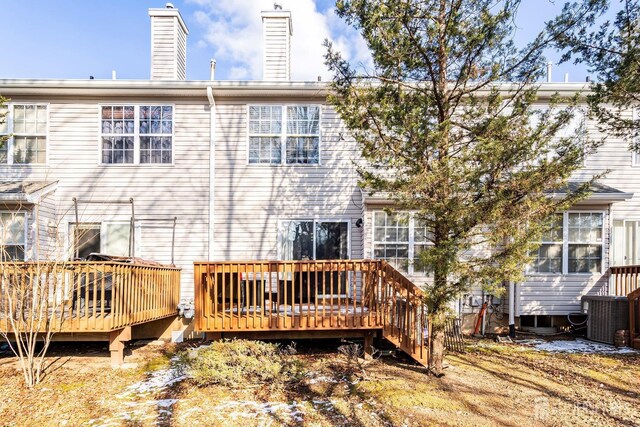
column 276, row 34
column 168, row 44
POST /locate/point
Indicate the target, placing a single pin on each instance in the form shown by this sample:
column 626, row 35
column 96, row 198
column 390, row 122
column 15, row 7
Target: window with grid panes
column 133, row 134
column 573, row 244
column 295, row 142
column 265, row 134
column 303, row 135
column 548, row 257
column 26, row 126
column 13, row 237
column 400, row 238
column 585, row 242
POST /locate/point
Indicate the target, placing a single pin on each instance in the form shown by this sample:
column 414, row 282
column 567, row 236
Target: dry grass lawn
column 492, row 384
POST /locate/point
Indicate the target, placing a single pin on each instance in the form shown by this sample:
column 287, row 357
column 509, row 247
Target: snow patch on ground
column 138, row 405
column 578, row 346
column 262, row 411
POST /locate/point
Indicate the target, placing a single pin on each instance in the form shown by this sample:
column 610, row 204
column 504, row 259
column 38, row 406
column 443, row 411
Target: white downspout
column 512, row 309
column 212, row 163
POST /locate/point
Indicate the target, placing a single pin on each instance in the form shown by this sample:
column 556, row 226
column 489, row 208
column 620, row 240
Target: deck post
column 368, row 344
column 117, row 339
column 213, row 336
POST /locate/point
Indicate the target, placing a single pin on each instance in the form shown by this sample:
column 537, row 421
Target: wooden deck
column 96, row 299
column 626, row 282
column 311, row 298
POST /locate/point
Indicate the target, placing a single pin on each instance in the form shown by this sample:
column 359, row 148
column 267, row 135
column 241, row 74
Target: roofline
column 172, row 88
column 191, row 88
column 598, row 197
column 385, row 199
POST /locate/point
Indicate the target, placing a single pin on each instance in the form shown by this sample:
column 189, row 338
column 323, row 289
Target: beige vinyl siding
column 276, row 49
column 168, row 49
column 181, row 54
column 159, row 191
column 251, row 199
column 559, row 294
column 46, row 244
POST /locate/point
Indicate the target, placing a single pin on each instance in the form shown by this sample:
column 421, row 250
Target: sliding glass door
column 314, row 240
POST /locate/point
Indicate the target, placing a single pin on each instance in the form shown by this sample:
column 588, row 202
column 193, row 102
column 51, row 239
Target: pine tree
column 448, row 139
column 611, row 50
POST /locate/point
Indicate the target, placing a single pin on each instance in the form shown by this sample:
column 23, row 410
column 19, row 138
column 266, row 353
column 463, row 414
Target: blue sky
column 78, row 39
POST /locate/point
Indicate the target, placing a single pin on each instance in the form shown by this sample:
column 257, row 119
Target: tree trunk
column 436, row 344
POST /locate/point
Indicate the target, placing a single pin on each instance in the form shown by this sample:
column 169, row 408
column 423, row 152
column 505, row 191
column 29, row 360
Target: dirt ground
column 491, row 384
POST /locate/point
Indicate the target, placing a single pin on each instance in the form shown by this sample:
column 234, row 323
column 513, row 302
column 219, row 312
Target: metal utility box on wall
column 605, row 315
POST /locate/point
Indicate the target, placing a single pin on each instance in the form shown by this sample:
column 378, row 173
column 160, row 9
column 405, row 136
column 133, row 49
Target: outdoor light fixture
column 359, row 222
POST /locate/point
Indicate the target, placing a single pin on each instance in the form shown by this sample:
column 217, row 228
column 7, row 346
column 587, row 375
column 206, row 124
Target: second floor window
column 137, row 134
column 25, row 125
column 284, row 134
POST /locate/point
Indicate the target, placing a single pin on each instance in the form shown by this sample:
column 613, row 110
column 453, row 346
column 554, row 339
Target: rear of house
column 183, row 171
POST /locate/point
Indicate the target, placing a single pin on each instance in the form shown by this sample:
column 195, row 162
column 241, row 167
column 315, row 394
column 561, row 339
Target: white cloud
column 234, row 30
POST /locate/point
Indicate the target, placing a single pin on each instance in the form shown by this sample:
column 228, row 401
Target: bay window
column 284, row 134
column 136, row 134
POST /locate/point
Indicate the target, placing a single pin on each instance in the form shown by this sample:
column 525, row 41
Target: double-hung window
column 24, row 134
column 400, row 238
column 13, row 239
column 573, row 244
column 284, row 134
column 136, row 134
column 548, row 257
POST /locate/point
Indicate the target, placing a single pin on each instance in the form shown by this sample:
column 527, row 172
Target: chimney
column 276, row 35
column 168, row 44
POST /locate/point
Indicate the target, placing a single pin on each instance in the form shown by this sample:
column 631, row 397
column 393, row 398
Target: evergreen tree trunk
column 436, row 344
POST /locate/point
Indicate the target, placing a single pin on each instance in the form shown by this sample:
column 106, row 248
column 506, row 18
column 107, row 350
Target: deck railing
column 85, row 296
column 624, row 279
column 292, row 296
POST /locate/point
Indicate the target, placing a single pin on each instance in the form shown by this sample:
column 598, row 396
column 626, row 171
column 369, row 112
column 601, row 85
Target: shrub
column 236, row 363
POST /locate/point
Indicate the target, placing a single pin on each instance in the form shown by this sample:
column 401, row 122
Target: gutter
column 212, row 164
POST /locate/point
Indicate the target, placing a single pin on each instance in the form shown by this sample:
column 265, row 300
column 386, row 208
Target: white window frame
column 580, row 113
column 566, row 243
column 635, row 157
column 283, row 135
column 411, row 241
column 282, row 222
column 624, row 240
column 25, row 231
column 103, row 234
column 9, row 117
column 136, row 133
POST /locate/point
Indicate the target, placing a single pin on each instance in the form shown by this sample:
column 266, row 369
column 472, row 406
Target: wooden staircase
column 634, row 318
column 406, row 324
